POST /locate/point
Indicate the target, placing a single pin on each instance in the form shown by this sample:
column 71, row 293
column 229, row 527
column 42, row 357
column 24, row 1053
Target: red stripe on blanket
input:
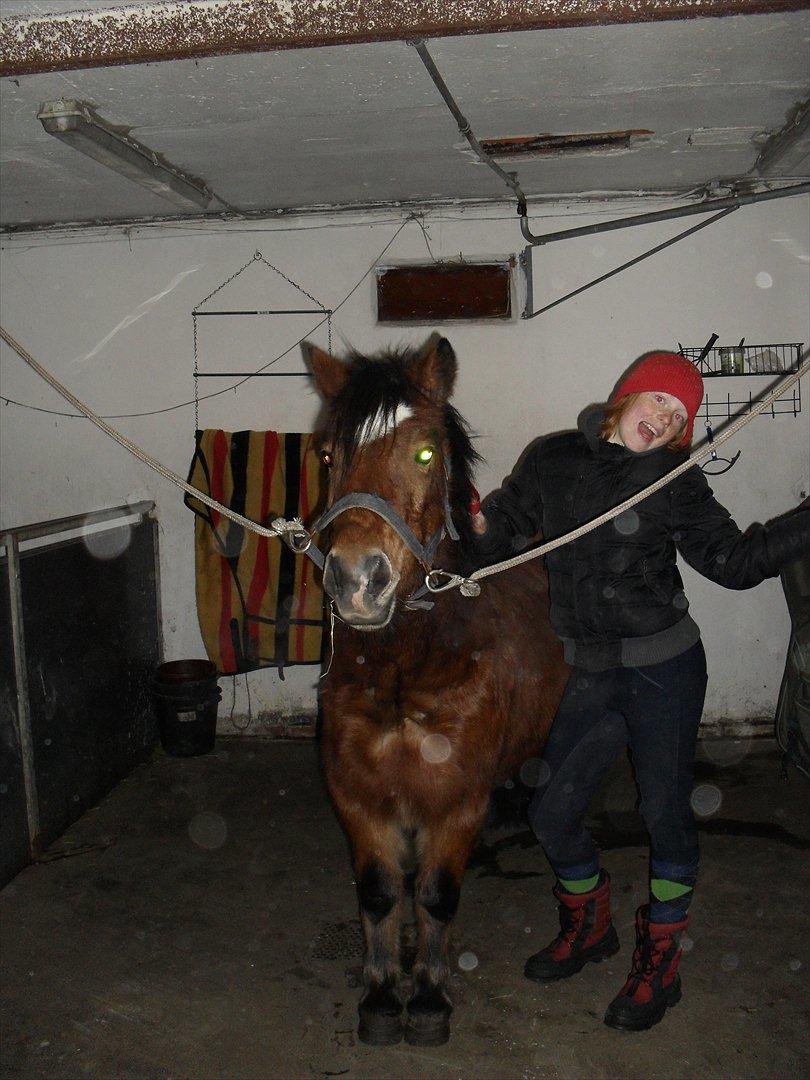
column 221, row 452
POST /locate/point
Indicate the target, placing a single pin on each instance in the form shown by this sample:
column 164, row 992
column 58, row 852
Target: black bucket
column 186, row 696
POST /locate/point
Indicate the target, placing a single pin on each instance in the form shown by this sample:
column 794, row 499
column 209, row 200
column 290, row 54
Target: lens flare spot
column 534, row 772
column 208, row 830
column 706, row 800
column 763, row 280
column 468, row 961
column 436, row 748
column 627, row 523
column 730, row 962
column 108, row 543
column 725, row 752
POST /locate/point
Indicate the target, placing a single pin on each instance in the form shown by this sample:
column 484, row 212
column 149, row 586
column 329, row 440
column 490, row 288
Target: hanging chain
column 260, row 258
column 227, row 281
column 257, row 257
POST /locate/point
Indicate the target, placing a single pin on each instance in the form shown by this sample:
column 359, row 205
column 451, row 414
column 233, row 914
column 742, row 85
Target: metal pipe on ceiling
column 510, row 179
column 732, row 202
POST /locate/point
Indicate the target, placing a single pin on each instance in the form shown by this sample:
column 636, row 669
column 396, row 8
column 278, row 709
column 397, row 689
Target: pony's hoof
column 380, row 1018
column 377, row 1029
column 428, row 1021
column 427, row 1029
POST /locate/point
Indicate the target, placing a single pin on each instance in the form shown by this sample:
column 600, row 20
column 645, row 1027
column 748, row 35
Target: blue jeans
column 655, row 709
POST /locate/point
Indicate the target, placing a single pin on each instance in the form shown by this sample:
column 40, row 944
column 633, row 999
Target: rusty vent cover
column 548, row 145
column 436, row 293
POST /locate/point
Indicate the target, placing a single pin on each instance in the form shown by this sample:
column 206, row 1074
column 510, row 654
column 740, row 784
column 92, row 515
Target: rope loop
column 293, row 534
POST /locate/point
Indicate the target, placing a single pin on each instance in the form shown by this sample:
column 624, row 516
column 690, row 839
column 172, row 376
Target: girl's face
column 653, row 420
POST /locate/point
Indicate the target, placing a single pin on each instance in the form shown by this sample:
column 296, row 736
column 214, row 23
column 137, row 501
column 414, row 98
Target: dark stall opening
column 79, row 641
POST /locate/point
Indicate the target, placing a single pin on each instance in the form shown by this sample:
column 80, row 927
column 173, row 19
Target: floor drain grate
column 339, row 941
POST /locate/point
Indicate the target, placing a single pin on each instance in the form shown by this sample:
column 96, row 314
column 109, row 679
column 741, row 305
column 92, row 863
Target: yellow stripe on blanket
column 258, row 603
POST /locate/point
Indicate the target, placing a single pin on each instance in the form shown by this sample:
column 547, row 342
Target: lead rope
column 296, row 536
column 278, row 528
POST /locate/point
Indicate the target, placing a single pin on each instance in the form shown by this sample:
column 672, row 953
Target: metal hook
column 725, row 462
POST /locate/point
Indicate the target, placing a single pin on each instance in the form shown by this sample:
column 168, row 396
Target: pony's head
column 390, row 432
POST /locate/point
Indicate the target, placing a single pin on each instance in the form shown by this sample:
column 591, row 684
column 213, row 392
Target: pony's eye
column 425, row 455
column 327, row 458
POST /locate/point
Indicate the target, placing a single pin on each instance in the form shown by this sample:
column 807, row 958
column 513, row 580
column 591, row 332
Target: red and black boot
column 653, row 984
column 586, row 934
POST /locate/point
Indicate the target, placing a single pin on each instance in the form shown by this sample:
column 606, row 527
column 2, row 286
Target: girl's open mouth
column 647, row 431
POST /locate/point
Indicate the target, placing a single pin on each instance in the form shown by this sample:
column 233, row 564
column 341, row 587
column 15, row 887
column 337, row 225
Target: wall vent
column 556, row 145
column 437, row 292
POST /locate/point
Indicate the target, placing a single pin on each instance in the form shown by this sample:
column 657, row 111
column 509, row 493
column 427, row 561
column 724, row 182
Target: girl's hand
column 479, row 522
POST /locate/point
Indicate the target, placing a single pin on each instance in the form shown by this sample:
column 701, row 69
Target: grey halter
column 301, row 540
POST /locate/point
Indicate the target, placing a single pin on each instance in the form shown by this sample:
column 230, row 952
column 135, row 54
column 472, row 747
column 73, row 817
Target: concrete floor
column 205, row 926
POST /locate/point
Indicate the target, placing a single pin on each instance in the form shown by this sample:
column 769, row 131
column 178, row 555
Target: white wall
column 108, row 312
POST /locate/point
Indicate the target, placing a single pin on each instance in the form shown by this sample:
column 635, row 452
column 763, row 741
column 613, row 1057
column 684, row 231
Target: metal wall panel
column 90, row 626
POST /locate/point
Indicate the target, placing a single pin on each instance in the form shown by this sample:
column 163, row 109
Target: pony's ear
column 434, row 371
column 328, row 372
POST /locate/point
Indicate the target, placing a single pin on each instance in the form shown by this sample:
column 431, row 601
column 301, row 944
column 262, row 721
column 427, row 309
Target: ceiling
column 357, row 125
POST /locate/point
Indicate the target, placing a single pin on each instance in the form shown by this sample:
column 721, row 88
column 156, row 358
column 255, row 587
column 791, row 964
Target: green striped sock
column 668, row 890
column 582, row 886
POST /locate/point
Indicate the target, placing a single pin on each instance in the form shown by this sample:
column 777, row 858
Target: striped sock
column 579, row 885
column 669, row 900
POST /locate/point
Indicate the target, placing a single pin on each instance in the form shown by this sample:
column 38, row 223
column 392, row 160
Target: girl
column 638, row 666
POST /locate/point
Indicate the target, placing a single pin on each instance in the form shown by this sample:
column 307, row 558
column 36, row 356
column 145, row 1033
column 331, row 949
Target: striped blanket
column 259, row 604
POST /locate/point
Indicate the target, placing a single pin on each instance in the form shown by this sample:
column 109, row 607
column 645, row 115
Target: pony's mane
column 375, row 387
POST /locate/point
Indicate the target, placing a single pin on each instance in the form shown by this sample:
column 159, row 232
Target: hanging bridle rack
column 197, row 313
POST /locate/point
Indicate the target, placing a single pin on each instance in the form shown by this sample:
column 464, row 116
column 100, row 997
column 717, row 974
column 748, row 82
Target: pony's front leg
column 377, row 849
column 445, row 851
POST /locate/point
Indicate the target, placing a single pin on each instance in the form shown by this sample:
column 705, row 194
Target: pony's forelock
column 375, row 388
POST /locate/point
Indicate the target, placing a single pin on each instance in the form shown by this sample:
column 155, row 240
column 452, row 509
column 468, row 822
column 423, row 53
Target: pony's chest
column 414, row 736
column 387, row 727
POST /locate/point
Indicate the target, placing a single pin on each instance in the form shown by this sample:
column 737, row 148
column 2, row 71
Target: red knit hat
column 670, row 373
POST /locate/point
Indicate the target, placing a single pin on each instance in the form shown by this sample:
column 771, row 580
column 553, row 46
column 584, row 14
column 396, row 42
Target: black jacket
column 616, row 595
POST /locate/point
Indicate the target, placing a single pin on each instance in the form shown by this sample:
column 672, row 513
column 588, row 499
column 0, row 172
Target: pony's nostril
column 334, row 576
column 378, row 573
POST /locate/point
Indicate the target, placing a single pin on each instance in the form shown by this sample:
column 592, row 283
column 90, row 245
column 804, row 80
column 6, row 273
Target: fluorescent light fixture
column 77, row 124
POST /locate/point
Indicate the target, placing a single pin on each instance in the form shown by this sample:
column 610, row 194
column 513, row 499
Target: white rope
column 294, row 529
column 278, row 527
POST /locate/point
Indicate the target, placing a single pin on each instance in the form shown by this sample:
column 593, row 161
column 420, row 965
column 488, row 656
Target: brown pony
column 425, row 707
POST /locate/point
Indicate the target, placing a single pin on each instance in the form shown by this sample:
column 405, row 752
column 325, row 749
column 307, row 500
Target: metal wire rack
column 734, row 361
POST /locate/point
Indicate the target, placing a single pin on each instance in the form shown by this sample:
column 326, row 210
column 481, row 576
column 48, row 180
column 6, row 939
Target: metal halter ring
column 467, row 586
column 299, row 540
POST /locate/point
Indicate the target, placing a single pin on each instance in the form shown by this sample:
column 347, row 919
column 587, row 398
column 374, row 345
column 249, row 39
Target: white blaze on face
column 377, row 426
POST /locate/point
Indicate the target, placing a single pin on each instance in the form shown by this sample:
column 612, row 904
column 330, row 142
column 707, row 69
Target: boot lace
column 570, row 924
column 648, row 958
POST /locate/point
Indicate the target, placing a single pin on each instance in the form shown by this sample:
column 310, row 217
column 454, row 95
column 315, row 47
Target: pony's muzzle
column 362, row 587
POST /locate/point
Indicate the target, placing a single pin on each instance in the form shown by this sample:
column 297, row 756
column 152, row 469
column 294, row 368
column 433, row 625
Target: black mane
column 375, row 386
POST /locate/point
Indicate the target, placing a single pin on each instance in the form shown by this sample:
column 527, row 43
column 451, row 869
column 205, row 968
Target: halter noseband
column 300, row 540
